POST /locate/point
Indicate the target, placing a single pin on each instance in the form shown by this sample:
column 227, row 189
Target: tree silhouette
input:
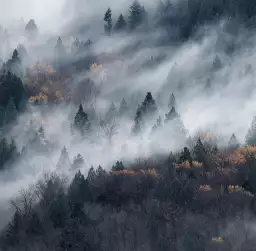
column 108, row 20
column 120, row 24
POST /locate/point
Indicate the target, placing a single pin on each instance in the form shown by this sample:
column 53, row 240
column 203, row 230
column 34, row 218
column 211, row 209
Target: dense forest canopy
column 132, row 128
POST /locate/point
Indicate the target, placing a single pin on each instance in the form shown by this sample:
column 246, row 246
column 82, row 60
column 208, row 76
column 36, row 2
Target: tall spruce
column 250, row 138
column 64, row 160
column 120, row 24
column 123, row 109
column 138, row 120
column 81, row 121
column 108, row 20
column 148, row 107
column 135, row 17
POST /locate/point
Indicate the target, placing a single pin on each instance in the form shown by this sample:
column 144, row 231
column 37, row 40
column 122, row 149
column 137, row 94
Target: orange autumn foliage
column 239, row 155
column 186, row 164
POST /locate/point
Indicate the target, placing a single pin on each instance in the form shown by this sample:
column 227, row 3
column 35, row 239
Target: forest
column 132, row 131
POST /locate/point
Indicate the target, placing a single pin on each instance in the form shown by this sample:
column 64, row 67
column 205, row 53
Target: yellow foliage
column 233, row 189
column 218, row 240
column 96, row 68
column 197, row 164
column 39, row 98
column 205, row 188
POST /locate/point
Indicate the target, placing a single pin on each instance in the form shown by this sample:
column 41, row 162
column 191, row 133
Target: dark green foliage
column 118, row 166
column 138, row 121
column 120, row 24
column 136, row 15
column 8, row 152
column 11, row 87
column 148, row 107
column 199, row 151
column 108, row 20
column 81, row 121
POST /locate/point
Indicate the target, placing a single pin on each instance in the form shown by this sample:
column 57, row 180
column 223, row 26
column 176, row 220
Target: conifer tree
column 120, row 24
column 78, row 162
column 118, row 166
column 108, row 20
column 31, row 29
column 64, row 160
column 172, row 101
column 137, row 128
column 186, row 156
column 148, row 107
column 158, row 124
column 199, row 151
column 135, row 18
column 123, row 109
column 11, row 112
column 81, row 121
column 233, row 142
column 251, row 134
column 171, row 115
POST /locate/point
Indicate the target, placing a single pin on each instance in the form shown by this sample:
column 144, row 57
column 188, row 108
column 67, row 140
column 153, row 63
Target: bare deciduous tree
column 110, row 129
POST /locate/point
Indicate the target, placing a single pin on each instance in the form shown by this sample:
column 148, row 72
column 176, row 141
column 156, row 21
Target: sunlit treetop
column 96, row 68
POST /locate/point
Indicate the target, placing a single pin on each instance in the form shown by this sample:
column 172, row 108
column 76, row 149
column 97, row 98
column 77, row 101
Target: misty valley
column 128, row 125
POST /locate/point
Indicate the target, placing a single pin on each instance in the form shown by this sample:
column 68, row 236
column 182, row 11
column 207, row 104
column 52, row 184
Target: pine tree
column 81, row 121
column 199, row 151
column 186, row 156
column 64, row 160
column 120, row 24
column 158, row 125
column 108, row 20
column 137, row 122
column 251, row 134
column 14, row 64
column 233, row 142
column 118, row 166
column 135, row 16
column 123, row 109
column 148, row 107
column 11, row 111
column 171, row 115
column 111, row 113
column 31, row 29
column 172, row 101
column 78, row 162
column 216, row 65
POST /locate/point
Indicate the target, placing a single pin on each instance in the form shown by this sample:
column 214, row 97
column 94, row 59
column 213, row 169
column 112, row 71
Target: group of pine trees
column 12, row 91
column 136, row 18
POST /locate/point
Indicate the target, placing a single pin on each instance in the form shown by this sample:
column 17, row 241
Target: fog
column 227, row 107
